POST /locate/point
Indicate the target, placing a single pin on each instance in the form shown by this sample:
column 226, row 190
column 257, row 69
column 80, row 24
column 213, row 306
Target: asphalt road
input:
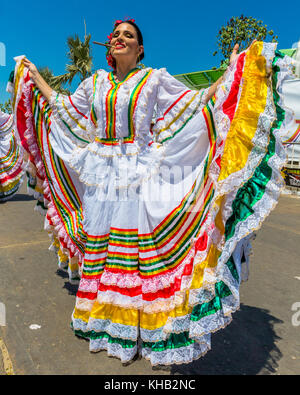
column 264, row 337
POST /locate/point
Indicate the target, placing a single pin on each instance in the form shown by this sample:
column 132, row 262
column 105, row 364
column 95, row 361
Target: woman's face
column 125, row 42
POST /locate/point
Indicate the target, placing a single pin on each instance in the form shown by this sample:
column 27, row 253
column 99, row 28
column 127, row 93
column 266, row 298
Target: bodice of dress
column 111, row 125
column 123, row 110
column 114, row 113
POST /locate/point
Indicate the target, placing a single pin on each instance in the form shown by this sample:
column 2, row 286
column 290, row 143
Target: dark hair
column 139, row 36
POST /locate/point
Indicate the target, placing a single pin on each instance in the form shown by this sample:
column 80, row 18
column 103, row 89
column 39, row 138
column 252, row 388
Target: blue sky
column 178, row 35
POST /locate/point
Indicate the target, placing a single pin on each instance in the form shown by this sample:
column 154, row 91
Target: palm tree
column 80, row 61
column 6, row 107
column 49, row 77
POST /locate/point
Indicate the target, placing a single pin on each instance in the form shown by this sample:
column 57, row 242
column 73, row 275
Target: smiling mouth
column 119, row 46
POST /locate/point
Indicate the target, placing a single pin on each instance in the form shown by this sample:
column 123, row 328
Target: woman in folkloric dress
column 11, row 159
column 156, row 221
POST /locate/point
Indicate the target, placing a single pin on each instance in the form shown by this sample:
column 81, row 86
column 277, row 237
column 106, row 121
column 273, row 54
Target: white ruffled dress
column 153, row 196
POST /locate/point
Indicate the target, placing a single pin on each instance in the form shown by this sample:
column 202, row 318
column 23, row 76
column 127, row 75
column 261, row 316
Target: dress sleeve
column 175, row 106
column 72, row 114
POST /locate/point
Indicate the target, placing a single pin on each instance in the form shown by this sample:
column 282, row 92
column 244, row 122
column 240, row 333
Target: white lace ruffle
column 118, row 171
column 113, row 349
column 178, row 356
column 152, row 285
column 89, row 285
column 113, row 329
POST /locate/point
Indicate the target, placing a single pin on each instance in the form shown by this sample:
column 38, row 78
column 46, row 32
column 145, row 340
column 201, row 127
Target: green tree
column 6, row 107
column 80, row 61
column 241, row 30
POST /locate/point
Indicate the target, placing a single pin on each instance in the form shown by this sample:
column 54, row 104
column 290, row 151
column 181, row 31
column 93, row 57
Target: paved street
column 261, row 339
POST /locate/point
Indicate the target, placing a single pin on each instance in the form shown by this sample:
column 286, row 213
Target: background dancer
column 11, row 158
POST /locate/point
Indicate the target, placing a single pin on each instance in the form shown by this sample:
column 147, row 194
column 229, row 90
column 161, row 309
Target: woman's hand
column 33, row 71
column 38, row 79
column 234, row 55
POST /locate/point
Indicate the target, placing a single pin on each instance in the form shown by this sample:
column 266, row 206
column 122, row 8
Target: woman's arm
column 39, row 81
column 213, row 88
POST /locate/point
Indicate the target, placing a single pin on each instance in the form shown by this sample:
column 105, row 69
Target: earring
column 139, row 64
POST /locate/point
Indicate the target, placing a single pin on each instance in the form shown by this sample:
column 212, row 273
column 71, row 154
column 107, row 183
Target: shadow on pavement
column 71, row 288
column 246, row 347
column 21, row 197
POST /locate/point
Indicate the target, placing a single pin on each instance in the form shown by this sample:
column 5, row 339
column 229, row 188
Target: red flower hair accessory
column 109, row 58
column 125, row 20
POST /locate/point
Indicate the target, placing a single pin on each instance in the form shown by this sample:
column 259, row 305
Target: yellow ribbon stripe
column 17, row 81
column 252, row 103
